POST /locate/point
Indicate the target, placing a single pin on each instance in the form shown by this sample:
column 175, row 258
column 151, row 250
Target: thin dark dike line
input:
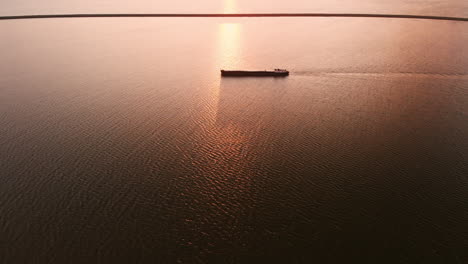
column 240, row 15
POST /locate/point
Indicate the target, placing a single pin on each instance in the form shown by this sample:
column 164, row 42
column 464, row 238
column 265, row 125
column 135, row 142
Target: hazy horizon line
column 427, row 17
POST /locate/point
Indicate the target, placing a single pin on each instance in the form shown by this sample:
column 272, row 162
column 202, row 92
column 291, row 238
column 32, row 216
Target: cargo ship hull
column 275, row 73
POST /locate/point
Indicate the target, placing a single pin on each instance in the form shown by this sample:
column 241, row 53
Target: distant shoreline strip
column 238, row 15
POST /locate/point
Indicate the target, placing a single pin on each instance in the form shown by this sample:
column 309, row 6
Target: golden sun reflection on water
column 224, row 149
column 226, row 56
column 229, row 45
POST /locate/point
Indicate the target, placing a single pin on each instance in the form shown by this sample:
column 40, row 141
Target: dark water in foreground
column 120, row 143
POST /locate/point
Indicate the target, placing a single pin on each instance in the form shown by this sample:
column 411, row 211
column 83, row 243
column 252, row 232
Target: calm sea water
column 120, row 143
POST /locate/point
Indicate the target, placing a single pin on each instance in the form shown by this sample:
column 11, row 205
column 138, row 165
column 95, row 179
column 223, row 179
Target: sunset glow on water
column 120, row 142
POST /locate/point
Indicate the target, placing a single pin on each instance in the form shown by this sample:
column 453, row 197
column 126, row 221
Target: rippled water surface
column 119, row 141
